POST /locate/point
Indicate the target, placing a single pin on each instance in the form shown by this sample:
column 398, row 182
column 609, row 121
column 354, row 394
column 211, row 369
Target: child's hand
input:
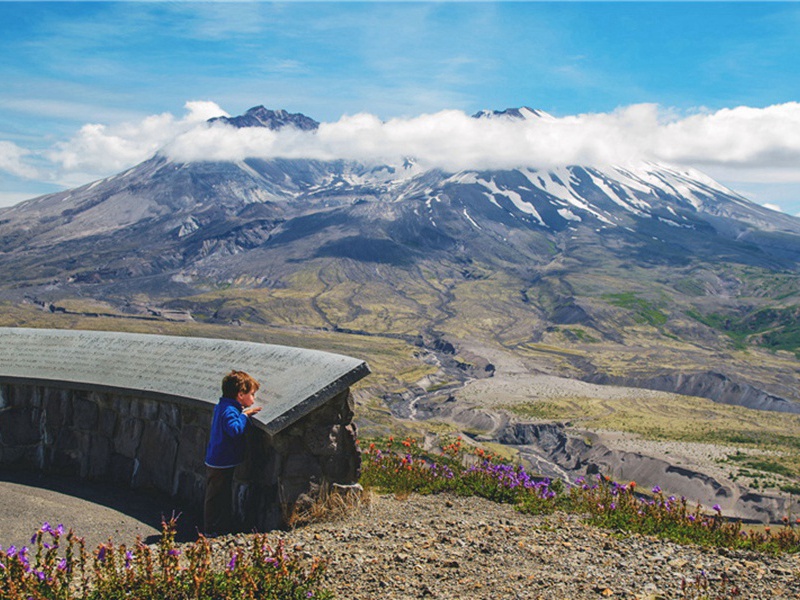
column 252, row 410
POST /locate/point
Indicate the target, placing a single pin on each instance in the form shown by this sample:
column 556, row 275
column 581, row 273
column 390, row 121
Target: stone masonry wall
column 144, row 443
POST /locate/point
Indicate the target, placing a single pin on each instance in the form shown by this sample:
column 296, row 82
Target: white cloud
column 750, row 137
column 101, row 150
column 12, row 160
column 764, row 141
column 748, row 146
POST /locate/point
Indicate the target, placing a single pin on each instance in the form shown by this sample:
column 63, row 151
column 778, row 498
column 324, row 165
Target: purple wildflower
column 128, row 559
column 232, row 563
column 101, row 553
column 717, row 508
column 62, row 565
column 174, row 552
column 656, row 489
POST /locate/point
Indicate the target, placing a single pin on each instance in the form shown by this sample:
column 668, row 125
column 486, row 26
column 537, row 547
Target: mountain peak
column 523, row 113
column 259, row 116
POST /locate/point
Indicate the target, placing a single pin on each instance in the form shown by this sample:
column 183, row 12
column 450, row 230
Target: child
column 226, row 447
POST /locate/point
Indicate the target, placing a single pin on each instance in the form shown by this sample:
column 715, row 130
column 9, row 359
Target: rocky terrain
column 455, row 548
column 442, row 547
column 565, row 428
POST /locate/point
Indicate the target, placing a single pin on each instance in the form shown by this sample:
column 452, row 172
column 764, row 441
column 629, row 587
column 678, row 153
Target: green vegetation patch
column 644, row 311
column 761, row 464
column 771, row 327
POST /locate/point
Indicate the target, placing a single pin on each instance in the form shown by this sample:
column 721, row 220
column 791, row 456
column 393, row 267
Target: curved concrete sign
column 294, row 381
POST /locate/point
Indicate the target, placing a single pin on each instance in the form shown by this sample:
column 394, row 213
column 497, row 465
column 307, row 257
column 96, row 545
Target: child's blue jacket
column 226, row 445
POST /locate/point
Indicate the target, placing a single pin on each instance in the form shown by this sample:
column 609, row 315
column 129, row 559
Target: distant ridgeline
column 136, row 410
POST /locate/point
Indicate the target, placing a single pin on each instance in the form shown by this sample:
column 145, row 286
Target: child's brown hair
column 238, row 381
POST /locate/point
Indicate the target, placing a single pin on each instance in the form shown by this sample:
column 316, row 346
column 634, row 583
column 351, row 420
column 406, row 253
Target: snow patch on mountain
column 512, row 195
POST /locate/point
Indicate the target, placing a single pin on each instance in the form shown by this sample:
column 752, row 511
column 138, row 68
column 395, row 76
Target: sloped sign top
column 294, row 381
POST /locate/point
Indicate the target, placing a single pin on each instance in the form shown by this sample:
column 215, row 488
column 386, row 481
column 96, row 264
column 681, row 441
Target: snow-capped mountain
column 259, row 116
column 164, row 217
column 514, row 113
column 619, row 255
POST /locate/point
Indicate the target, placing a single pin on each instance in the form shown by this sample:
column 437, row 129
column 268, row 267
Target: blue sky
column 67, row 65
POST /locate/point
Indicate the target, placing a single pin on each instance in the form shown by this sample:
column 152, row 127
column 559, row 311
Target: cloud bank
column 744, row 143
column 12, row 161
column 100, row 150
column 745, row 138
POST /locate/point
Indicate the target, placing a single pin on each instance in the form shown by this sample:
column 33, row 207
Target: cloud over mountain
column 759, row 143
column 743, row 137
column 102, row 149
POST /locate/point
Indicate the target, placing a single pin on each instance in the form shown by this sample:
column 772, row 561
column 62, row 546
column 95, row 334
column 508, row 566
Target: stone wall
column 145, row 443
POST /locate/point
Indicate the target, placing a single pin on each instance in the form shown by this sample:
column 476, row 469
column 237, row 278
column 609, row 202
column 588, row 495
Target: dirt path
column 95, row 511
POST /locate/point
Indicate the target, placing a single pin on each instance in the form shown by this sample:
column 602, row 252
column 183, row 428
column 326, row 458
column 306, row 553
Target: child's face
column 246, row 399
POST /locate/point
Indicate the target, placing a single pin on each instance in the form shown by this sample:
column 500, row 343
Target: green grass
column 769, row 327
column 643, row 311
column 582, row 335
column 766, row 466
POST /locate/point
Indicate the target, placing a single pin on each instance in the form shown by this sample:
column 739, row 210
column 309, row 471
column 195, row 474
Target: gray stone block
column 107, row 422
column 170, row 414
column 145, row 409
column 85, row 413
column 302, row 467
column 128, row 436
column 19, row 427
column 192, row 448
column 99, row 457
column 323, row 440
column 156, row 456
column 121, row 469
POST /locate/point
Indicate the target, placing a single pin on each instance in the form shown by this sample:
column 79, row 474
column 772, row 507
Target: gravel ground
column 450, row 547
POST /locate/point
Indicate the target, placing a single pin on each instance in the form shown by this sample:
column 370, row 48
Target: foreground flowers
column 62, row 569
column 405, row 467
